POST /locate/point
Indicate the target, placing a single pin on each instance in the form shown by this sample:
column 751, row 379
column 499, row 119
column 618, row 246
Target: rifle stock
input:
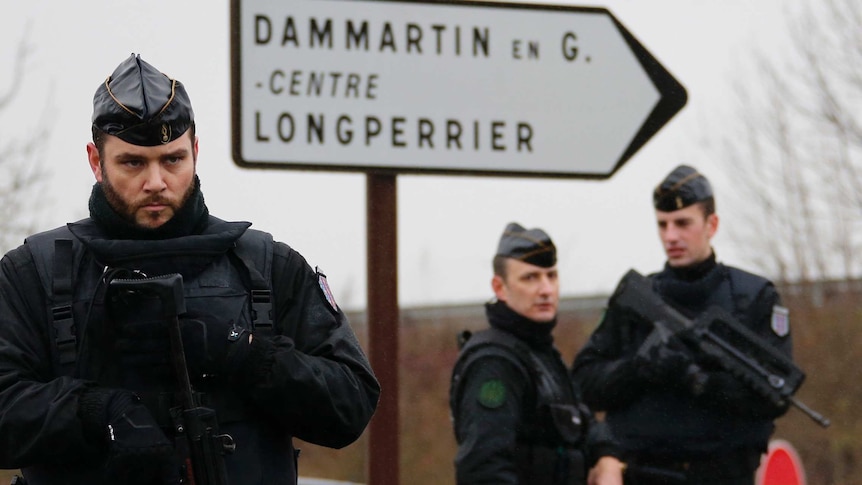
column 205, row 446
column 718, row 335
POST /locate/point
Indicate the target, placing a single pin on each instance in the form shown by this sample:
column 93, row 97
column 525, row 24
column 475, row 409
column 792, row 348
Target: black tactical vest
column 226, row 275
column 551, row 439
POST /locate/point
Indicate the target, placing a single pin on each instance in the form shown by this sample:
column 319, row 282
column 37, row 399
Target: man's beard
column 128, row 212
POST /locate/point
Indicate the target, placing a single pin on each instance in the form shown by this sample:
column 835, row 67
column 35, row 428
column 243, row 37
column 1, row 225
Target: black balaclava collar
column 191, row 218
column 690, row 287
column 504, row 318
column 695, row 271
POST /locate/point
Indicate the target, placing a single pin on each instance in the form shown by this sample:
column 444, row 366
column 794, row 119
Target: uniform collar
column 502, row 317
column 186, row 255
column 695, row 271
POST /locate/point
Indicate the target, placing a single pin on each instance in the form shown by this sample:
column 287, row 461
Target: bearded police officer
column 87, row 392
column 675, row 412
column 517, row 417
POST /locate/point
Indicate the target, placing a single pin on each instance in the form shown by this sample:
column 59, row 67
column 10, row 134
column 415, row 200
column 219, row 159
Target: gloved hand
column 668, row 363
column 138, row 452
column 730, row 394
column 214, row 348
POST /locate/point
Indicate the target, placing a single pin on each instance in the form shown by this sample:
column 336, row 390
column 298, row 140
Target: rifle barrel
column 817, row 417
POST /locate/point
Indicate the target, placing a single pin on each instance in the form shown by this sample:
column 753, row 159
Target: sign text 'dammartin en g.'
column 442, row 87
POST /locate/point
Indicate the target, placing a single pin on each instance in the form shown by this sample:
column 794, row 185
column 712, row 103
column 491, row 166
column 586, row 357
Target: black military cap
column 532, row 246
column 682, row 187
column 142, row 106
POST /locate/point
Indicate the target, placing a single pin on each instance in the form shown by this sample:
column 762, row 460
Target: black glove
column 669, row 363
column 138, row 451
column 723, row 391
column 214, row 348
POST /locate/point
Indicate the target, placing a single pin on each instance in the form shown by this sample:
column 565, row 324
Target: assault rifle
column 719, row 336
column 205, row 447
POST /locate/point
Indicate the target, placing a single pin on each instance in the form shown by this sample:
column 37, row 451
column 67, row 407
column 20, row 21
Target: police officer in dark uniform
column 87, row 392
column 674, row 413
column 517, row 417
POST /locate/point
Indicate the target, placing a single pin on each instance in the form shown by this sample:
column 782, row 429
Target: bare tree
column 795, row 159
column 796, row 153
column 22, row 172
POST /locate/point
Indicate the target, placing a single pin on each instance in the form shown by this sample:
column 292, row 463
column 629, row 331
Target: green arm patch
column 492, row 394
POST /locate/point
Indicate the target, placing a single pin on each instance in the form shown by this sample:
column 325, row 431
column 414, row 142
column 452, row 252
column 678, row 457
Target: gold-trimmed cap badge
column 166, row 133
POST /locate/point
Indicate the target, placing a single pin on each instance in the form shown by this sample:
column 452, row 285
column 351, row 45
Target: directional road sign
column 442, row 87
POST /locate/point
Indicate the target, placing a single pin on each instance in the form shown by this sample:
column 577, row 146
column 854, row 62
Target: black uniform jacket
column 505, row 432
column 320, row 387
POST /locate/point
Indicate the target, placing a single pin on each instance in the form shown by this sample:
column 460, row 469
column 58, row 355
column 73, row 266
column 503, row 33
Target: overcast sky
column 448, row 225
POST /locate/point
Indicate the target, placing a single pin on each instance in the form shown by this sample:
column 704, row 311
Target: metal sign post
column 382, row 257
column 435, row 87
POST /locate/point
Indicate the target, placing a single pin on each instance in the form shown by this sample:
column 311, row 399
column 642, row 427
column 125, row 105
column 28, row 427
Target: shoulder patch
column 492, row 394
column 324, row 287
column 780, row 320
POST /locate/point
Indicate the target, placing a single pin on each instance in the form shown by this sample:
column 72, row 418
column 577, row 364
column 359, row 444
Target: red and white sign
column 781, row 466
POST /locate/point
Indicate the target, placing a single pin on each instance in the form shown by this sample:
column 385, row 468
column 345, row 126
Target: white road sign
column 441, row 87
